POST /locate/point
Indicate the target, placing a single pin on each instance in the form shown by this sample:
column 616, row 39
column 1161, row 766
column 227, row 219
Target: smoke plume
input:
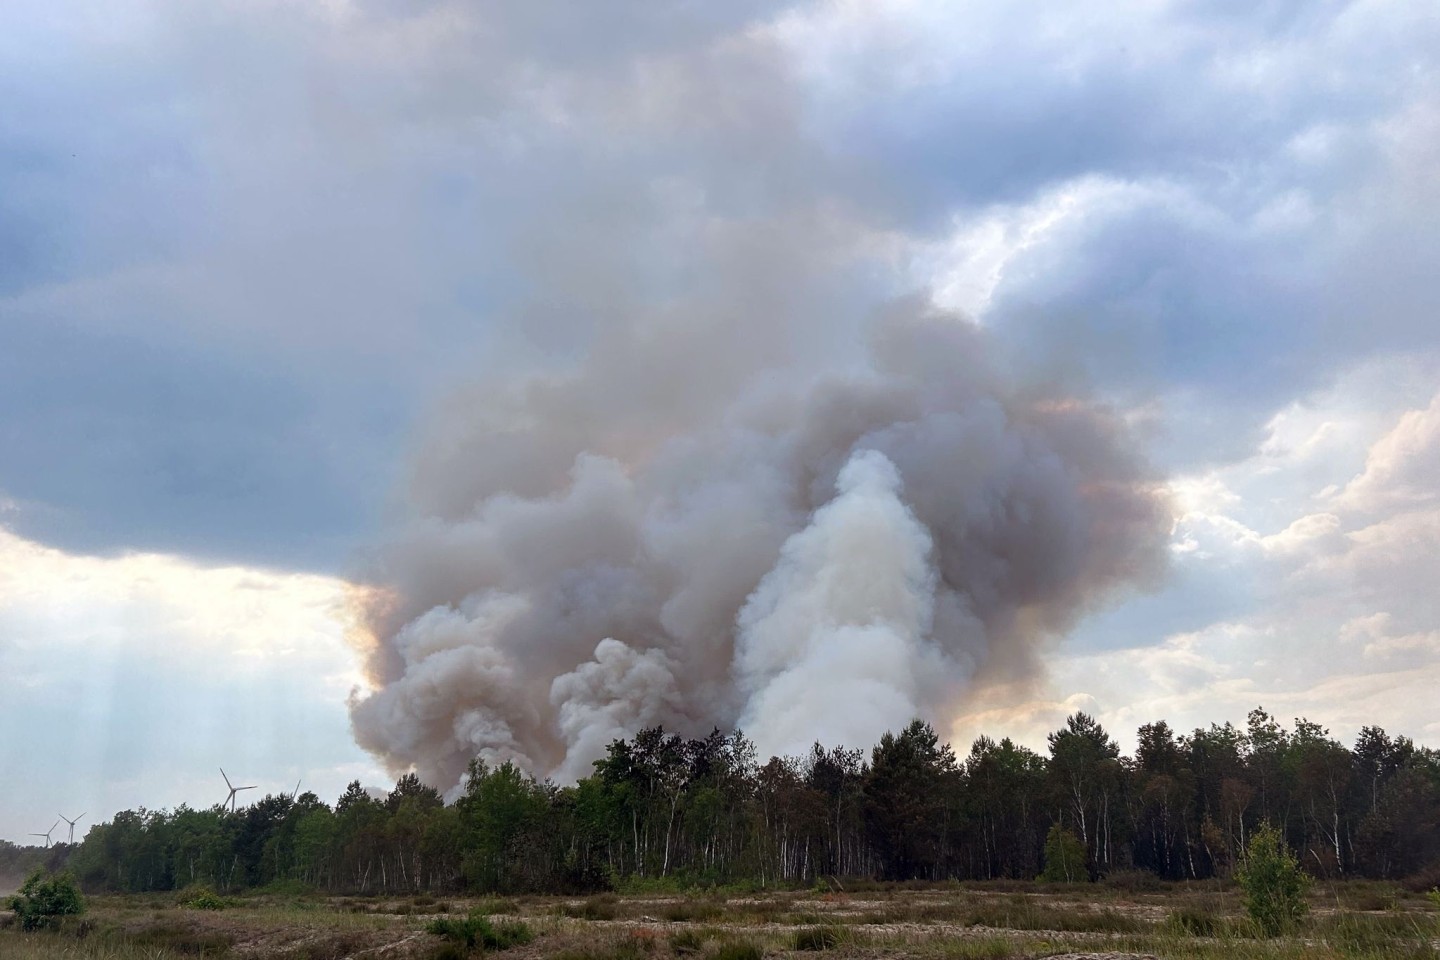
column 825, row 562
column 852, row 601
column 715, row 472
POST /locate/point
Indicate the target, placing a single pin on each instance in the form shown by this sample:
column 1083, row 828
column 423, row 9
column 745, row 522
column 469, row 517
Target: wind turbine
column 72, row 825
column 233, row 790
column 47, row 833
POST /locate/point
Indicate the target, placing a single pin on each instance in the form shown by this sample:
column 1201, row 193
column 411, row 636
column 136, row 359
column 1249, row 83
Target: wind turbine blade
column 227, row 779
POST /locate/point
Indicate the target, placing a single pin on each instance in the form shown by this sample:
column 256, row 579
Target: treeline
column 17, row 862
column 663, row 809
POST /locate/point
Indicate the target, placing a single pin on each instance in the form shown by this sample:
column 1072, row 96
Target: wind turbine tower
column 47, row 833
column 233, row 790
column 72, row 825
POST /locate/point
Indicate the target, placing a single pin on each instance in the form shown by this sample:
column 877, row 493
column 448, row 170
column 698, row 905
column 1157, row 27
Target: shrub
column 1064, row 857
column 204, row 900
column 816, row 938
column 1273, row 883
column 686, row 941
column 42, row 900
column 1423, row 880
column 477, row 930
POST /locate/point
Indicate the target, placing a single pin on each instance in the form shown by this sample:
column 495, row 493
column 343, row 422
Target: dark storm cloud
column 114, row 442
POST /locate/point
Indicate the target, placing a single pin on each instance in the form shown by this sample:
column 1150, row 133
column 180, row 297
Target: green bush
column 42, row 900
column 201, row 898
column 477, row 930
column 1273, row 883
column 1064, row 857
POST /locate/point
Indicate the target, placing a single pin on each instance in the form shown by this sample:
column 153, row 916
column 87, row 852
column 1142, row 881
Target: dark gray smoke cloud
column 716, row 471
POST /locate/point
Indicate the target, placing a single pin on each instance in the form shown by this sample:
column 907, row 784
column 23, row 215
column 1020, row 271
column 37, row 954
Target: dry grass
column 939, row 922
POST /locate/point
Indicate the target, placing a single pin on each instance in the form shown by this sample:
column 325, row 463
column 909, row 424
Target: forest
column 664, row 811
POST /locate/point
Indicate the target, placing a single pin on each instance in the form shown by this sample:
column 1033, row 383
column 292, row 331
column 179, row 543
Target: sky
column 255, row 256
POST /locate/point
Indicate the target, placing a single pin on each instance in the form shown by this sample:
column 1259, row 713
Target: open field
column 999, row 920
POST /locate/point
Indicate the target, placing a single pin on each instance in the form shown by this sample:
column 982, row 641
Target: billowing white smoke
column 837, row 636
column 818, row 556
column 618, row 692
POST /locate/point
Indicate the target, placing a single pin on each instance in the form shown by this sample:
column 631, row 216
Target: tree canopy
column 662, row 807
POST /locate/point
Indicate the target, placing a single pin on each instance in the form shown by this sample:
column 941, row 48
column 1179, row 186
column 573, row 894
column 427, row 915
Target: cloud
column 1401, row 467
column 1341, row 624
column 310, row 222
column 127, row 679
column 271, row 272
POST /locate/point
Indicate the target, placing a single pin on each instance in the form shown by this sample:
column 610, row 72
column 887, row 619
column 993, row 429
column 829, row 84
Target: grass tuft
column 817, row 938
column 686, row 942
